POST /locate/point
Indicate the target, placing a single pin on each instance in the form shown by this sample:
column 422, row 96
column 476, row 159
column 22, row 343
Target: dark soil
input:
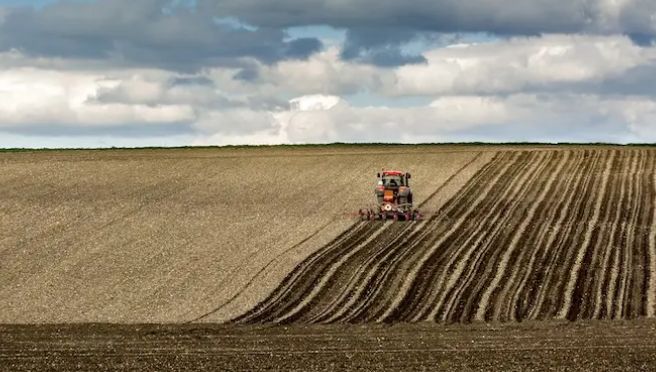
column 527, row 346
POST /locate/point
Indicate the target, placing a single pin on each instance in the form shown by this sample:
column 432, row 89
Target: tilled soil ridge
column 532, row 235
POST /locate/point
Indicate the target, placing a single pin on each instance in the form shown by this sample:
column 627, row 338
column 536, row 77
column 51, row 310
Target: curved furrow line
column 369, row 275
column 641, row 298
column 626, row 243
column 260, row 272
column 635, row 245
column 419, row 288
column 584, row 249
column 351, row 279
column 305, row 275
column 302, row 292
column 553, row 298
column 637, row 301
column 473, row 301
column 619, row 245
column 390, row 275
column 627, row 181
column 571, row 298
column 375, row 301
column 473, row 272
column 651, row 286
column 358, row 308
column 616, row 250
column 553, row 213
column 491, row 304
column 532, row 235
column 258, row 312
column 347, row 291
column 463, row 265
column 463, row 242
column 277, row 299
column 618, row 183
column 419, row 281
column 540, row 288
column 412, row 291
column 612, row 214
column 323, row 304
column 395, row 282
column 321, row 297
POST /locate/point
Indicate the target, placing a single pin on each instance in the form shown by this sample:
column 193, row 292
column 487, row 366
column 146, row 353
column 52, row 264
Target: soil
column 529, row 346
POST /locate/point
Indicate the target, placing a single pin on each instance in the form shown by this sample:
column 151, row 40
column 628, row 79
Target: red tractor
column 393, row 198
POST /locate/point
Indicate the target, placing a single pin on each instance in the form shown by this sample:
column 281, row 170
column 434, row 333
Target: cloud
column 141, row 33
column 583, row 64
column 46, row 101
column 234, row 122
column 517, row 117
column 379, row 47
column 546, row 88
column 324, row 72
column 523, row 17
column 548, row 63
column 376, row 28
column 126, row 103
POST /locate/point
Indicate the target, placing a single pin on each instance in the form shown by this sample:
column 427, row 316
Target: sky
column 136, row 73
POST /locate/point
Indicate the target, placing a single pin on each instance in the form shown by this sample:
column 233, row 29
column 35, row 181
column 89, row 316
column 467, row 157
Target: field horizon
column 332, row 144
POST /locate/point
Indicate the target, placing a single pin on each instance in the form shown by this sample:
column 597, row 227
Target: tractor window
column 391, row 181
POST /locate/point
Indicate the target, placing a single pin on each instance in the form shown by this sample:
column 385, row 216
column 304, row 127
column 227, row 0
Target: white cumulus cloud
column 552, row 87
column 32, row 96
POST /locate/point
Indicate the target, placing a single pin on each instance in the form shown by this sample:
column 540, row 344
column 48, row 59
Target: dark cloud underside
column 376, row 27
column 188, row 37
column 519, row 17
column 142, row 34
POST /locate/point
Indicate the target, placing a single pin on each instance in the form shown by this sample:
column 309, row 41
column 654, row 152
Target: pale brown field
column 139, row 236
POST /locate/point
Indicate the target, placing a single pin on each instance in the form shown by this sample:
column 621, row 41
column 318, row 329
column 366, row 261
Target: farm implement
column 392, row 199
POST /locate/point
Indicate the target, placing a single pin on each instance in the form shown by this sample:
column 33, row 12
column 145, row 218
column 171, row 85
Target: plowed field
column 524, row 239
column 150, row 236
column 532, row 235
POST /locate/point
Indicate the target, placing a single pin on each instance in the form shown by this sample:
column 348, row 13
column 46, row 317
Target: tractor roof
column 393, row 173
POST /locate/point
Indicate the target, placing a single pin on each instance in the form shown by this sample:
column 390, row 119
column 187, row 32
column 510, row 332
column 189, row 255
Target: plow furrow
column 511, row 265
column 474, row 271
column 513, row 300
column 532, row 235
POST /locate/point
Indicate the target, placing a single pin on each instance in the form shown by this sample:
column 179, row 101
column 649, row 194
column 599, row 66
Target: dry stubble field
column 256, row 235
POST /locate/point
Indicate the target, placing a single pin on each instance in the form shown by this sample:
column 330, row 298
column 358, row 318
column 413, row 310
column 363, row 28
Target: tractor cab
column 393, row 188
column 393, row 197
column 393, row 179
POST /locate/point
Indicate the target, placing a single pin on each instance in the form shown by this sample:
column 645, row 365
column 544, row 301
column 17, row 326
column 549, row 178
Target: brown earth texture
column 529, row 258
